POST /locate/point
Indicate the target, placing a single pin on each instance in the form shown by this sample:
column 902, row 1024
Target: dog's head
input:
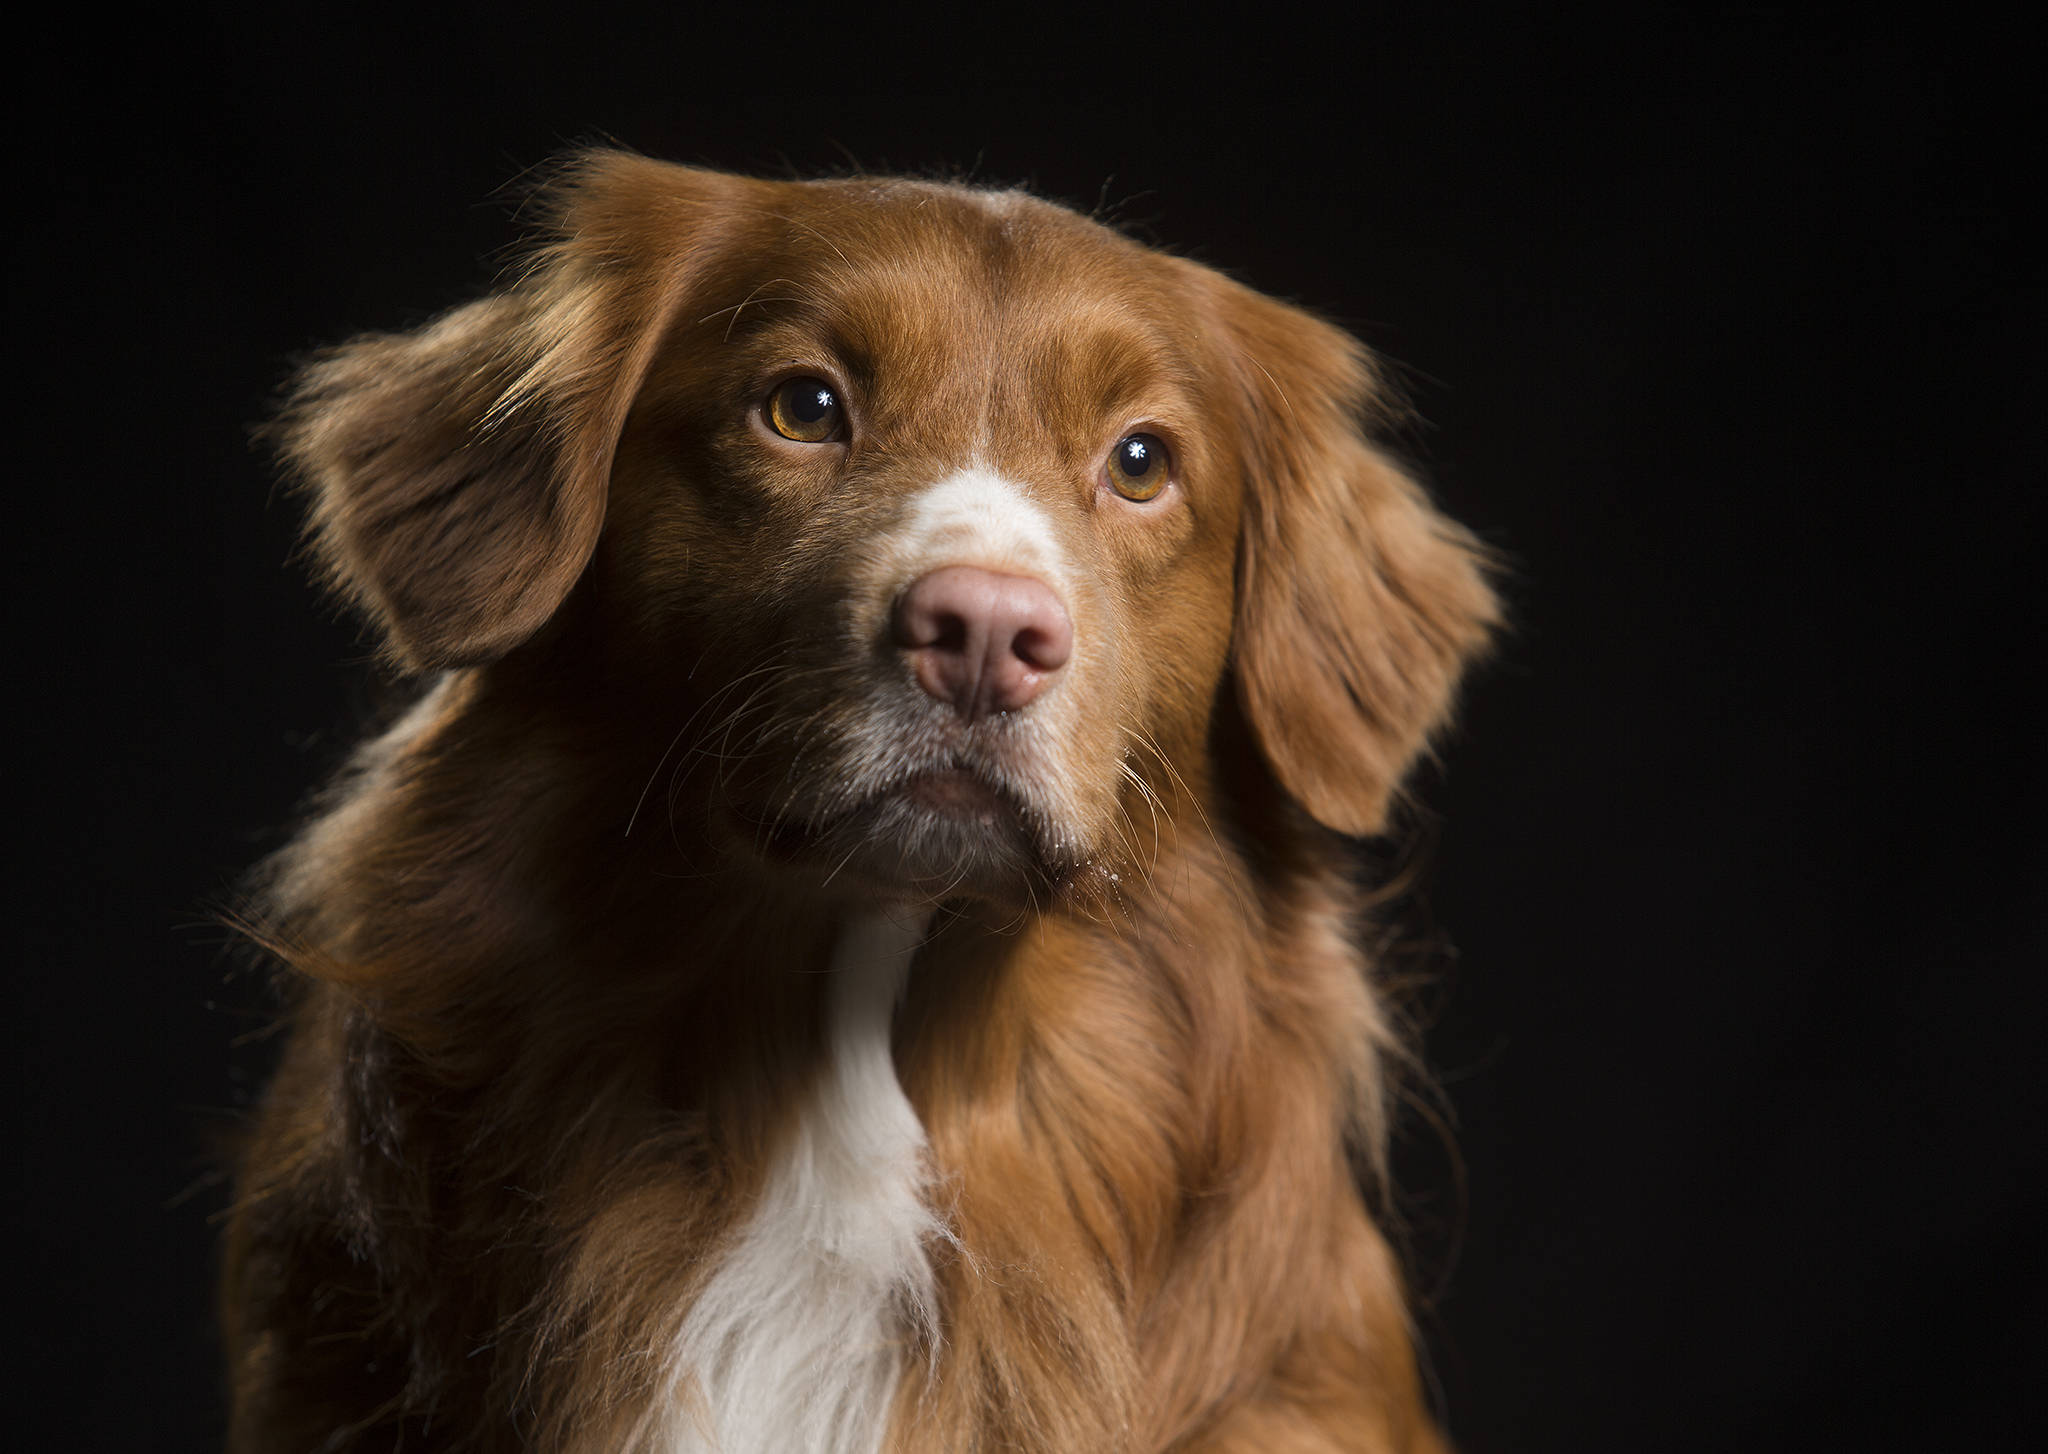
column 948, row 513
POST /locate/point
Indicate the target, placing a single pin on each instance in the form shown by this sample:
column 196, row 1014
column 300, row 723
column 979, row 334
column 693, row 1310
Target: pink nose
column 982, row 641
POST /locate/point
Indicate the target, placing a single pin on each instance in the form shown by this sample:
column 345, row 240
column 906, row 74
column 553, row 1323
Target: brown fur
column 539, row 1062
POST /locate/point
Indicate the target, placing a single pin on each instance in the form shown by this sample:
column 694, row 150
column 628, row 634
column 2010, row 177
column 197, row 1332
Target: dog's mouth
column 959, row 793
column 933, row 833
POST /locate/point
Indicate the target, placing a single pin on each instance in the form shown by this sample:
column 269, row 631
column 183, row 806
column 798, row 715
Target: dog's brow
column 758, row 295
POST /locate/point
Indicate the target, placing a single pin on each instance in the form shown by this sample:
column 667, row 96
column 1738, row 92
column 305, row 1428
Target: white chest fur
column 797, row 1341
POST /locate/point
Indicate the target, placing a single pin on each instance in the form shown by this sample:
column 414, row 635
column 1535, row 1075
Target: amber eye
column 1139, row 466
column 806, row 410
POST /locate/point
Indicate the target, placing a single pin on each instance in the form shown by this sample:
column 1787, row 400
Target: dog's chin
column 940, row 834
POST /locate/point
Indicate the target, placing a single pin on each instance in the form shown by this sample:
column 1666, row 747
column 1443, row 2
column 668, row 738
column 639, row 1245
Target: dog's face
column 949, row 513
column 935, row 480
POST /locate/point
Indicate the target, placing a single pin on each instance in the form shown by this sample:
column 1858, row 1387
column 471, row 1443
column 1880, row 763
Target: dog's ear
column 1359, row 604
column 458, row 474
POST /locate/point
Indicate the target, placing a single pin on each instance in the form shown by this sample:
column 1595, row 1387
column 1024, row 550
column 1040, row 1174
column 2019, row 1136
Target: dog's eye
column 806, row 410
column 1139, row 466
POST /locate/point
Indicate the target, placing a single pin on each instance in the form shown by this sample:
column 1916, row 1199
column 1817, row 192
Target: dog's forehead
column 895, row 270
column 898, row 218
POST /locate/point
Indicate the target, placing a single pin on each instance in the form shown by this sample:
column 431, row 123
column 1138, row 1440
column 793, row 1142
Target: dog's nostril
column 1043, row 647
column 981, row 640
column 947, row 632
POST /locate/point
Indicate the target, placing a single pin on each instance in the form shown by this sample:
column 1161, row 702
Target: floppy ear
column 1359, row 604
column 458, row 474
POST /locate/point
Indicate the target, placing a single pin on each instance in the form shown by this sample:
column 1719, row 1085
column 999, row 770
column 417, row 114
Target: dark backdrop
column 1725, row 329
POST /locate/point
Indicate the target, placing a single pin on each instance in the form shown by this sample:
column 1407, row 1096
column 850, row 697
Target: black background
column 1724, row 326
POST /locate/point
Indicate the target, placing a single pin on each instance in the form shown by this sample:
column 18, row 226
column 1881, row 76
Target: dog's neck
column 1080, row 1083
column 796, row 1341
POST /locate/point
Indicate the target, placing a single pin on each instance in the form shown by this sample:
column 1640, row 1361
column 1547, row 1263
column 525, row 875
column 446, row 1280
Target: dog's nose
column 982, row 640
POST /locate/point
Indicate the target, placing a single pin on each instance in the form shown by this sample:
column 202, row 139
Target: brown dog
column 851, row 949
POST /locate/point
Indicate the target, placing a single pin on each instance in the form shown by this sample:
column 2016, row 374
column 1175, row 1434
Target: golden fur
column 553, row 934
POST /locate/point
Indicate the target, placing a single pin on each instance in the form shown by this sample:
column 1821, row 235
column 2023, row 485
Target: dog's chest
column 798, row 1339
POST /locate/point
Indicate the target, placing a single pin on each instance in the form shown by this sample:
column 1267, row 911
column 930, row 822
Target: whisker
column 681, row 732
column 738, row 307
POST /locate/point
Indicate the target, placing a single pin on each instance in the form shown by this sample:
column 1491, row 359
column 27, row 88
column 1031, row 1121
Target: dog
column 853, row 945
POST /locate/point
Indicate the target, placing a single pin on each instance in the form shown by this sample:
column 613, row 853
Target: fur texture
column 793, row 1343
column 601, row 1126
